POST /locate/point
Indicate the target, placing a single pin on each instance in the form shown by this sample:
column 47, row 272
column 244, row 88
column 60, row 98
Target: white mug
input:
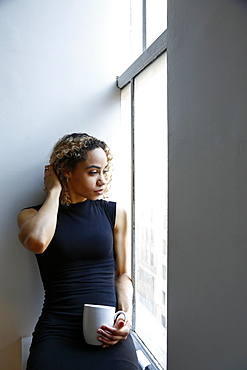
column 94, row 316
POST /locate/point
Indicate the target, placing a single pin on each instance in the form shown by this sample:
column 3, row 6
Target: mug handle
column 116, row 316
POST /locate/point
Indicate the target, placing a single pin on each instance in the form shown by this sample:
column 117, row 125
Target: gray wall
column 207, row 276
column 59, row 61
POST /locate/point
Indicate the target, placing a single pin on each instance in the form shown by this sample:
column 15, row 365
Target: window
column 148, row 22
column 150, row 205
column 144, row 108
column 156, row 23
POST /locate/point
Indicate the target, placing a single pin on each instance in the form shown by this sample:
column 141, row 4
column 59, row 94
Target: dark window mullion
column 158, row 47
column 132, row 87
column 144, row 25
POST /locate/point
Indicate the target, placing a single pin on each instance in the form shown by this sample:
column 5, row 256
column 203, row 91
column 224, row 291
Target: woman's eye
column 92, row 173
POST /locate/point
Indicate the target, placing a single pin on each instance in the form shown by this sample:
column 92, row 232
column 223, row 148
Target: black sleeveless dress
column 78, row 267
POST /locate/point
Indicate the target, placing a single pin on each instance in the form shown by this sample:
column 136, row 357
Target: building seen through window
column 144, row 112
column 150, row 206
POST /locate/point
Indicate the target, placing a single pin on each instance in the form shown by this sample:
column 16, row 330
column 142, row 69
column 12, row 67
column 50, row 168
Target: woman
column 81, row 248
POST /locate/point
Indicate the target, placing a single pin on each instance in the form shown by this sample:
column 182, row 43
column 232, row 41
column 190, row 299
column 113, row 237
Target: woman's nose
column 102, row 179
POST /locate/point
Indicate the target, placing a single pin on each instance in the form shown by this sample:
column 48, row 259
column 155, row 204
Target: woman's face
column 88, row 180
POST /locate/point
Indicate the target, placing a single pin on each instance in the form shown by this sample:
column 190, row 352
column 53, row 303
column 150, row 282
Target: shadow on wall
column 9, row 361
column 21, row 291
column 21, row 177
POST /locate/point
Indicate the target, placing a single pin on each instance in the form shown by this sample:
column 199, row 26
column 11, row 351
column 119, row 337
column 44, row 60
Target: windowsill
column 139, row 345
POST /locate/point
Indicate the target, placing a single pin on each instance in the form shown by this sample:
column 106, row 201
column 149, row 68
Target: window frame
column 156, row 49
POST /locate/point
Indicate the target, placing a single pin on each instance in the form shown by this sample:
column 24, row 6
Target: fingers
column 45, row 175
column 110, row 336
column 120, row 324
column 50, row 178
column 48, row 168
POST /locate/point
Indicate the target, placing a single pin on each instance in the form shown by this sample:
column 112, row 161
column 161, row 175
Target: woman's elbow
column 32, row 244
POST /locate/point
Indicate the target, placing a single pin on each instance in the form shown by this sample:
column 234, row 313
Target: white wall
column 59, row 60
column 207, row 277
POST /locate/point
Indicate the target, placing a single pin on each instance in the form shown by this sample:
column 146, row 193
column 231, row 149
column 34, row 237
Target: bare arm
column 124, row 289
column 38, row 227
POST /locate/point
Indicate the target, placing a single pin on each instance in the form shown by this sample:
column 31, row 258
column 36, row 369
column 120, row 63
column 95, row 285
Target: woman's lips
column 99, row 191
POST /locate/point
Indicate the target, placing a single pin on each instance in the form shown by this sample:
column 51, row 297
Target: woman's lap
column 58, row 353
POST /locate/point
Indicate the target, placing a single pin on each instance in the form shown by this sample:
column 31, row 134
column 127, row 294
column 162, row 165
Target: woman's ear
column 67, row 174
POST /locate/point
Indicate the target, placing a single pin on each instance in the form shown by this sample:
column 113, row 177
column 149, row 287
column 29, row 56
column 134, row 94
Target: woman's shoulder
column 105, row 204
column 27, row 213
column 109, row 208
column 36, row 207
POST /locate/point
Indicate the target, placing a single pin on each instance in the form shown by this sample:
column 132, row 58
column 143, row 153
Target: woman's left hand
column 109, row 336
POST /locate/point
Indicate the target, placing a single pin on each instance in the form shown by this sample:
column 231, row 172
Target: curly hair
column 69, row 151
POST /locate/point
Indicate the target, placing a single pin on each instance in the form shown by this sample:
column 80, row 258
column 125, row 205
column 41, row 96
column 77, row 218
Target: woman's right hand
column 50, row 179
